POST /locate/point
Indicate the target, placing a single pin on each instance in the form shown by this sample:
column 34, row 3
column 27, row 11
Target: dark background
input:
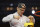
column 29, row 5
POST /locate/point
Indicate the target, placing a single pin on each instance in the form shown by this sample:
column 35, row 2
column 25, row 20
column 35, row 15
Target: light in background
column 35, row 8
column 9, row 8
column 33, row 11
column 32, row 8
column 11, row 4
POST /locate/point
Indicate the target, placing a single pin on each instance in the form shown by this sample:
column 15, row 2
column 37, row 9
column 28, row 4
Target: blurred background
column 9, row 6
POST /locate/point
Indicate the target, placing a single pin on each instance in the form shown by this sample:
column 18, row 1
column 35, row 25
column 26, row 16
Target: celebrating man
column 17, row 19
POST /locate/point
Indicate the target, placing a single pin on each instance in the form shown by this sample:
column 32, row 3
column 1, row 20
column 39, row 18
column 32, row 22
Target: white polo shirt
column 12, row 21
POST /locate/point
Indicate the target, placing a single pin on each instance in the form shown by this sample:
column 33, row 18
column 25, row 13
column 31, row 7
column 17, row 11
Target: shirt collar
column 18, row 14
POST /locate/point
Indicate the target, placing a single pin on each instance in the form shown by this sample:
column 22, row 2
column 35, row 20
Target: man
column 32, row 20
column 17, row 19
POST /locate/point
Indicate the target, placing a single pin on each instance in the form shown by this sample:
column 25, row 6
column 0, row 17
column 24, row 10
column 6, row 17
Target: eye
column 23, row 8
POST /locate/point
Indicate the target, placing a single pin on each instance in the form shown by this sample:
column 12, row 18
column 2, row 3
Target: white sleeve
column 27, row 20
column 34, row 20
column 6, row 19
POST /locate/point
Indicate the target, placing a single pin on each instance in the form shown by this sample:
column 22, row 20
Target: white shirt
column 11, row 20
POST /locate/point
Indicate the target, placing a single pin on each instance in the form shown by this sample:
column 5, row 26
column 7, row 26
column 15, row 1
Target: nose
column 22, row 11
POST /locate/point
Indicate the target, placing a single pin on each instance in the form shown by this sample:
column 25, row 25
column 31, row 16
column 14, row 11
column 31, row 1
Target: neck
column 19, row 14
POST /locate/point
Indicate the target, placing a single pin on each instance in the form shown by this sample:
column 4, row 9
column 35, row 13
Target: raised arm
column 7, row 18
column 32, row 19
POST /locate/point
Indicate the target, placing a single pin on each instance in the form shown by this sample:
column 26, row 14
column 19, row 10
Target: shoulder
column 11, row 14
column 26, row 17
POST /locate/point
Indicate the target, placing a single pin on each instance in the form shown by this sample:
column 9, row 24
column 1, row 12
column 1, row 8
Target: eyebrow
column 24, row 8
column 21, row 10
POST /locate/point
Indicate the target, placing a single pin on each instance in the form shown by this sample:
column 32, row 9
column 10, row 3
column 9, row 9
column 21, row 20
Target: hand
column 17, row 17
column 30, row 17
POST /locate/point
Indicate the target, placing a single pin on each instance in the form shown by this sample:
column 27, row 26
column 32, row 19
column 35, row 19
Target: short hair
column 20, row 5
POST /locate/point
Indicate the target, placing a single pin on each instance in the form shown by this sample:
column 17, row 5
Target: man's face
column 21, row 10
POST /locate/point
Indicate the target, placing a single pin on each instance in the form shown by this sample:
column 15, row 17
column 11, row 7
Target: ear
column 17, row 8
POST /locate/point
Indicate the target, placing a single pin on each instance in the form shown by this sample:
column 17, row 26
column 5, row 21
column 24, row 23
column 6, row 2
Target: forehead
column 21, row 5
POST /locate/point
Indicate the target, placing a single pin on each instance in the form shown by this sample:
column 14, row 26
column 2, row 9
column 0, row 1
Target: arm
column 32, row 19
column 27, row 20
column 6, row 19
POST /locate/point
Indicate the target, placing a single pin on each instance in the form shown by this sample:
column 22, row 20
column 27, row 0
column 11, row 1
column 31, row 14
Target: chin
column 21, row 14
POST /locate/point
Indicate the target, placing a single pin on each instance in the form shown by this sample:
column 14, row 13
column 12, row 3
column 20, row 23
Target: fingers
column 16, row 17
